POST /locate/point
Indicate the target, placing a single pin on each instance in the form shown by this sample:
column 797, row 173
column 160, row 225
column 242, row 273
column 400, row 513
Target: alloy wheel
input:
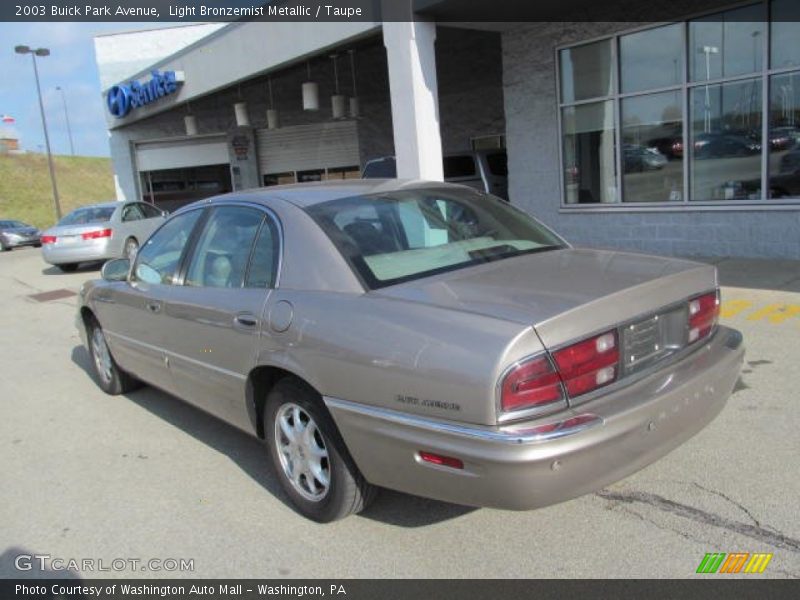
column 302, row 452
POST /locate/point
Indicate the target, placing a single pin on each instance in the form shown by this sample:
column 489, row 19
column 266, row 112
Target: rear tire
column 310, row 458
column 111, row 379
column 69, row 267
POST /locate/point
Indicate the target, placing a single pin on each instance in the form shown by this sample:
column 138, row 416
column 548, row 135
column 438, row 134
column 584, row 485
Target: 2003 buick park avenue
column 418, row 336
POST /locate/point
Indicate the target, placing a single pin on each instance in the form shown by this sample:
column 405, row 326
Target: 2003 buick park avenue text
column 418, row 336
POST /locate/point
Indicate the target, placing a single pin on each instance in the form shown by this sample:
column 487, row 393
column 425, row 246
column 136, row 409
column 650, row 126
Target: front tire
column 111, row 379
column 310, row 458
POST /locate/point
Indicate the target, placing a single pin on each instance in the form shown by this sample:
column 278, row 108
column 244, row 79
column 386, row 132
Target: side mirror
column 165, row 213
column 116, row 269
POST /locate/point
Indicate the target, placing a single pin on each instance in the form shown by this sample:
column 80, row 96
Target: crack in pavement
column 729, row 499
column 773, row 538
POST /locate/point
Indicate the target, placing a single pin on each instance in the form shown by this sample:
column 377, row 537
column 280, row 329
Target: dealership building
column 680, row 137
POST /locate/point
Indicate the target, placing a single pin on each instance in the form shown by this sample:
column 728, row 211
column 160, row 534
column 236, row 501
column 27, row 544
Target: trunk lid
column 565, row 294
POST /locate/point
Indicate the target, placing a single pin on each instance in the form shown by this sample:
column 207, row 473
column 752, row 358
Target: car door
column 132, row 312
column 214, row 318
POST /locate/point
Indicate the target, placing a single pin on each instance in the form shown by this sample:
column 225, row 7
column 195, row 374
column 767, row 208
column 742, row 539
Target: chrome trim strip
column 508, row 436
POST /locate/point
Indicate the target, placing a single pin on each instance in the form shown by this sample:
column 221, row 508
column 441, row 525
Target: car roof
column 309, row 194
column 109, row 204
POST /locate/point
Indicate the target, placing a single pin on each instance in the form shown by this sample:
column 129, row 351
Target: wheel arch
column 260, row 381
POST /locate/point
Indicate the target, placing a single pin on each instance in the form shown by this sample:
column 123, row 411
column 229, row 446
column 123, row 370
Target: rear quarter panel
column 398, row 354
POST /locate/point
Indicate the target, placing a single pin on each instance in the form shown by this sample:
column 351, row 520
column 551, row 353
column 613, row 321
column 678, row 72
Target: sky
column 71, row 66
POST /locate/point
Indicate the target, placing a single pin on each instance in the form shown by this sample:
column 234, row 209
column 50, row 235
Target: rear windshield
column 401, row 236
column 91, row 214
column 380, row 168
column 12, row 224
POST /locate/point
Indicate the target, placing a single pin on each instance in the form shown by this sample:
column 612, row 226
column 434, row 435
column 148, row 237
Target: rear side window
column 132, row 212
column 459, row 166
column 264, row 262
column 383, row 168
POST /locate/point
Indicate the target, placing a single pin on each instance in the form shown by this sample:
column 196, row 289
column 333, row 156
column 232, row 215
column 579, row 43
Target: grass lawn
column 26, row 194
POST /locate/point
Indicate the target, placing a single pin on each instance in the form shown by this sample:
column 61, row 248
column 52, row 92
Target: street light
column 34, row 53
column 708, row 51
column 66, row 117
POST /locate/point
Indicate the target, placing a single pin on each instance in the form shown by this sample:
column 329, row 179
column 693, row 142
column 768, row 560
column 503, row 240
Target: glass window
column 462, row 165
column 785, row 40
column 150, row 211
column 263, row 267
column 652, row 148
column 727, row 44
column 157, row 261
column 223, row 249
column 90, row 214
column 784, row 136
column 651, row 59
column 726, row 141
column 279, row 178
column 132, row 212
column 428, row 231
column 589, row 153
column 586, row 71
column 343, row 173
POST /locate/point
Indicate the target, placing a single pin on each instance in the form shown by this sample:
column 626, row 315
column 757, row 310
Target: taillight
column 96, row 234
column 48, row 239
column 589, row 364
column 703, row 316
column 530, row 384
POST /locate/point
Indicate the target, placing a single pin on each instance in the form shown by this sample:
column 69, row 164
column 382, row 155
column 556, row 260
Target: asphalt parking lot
column 145, row 476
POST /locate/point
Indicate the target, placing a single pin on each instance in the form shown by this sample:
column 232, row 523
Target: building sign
column 122, row 99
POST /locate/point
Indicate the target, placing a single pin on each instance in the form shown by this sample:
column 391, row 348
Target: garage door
column 318, row 146
column 178, row 154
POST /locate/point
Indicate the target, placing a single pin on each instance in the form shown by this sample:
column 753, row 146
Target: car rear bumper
column 83, row 251
column 535, row 464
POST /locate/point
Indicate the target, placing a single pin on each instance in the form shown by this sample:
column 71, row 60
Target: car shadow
column 82, row 268
column 249, row 453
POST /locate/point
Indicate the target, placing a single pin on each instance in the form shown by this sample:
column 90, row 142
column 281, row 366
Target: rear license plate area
column 653, row 338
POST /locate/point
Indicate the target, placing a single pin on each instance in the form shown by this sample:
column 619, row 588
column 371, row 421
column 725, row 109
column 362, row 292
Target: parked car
column 671, row 147
column 418, row 336
column 99, row 232
column 484, row 170
column 636, row 158
column 724, row 145
column 16, row 233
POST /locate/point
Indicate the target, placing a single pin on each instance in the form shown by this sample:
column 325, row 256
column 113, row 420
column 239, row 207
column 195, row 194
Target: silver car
column 99, row 232
column 418, row 336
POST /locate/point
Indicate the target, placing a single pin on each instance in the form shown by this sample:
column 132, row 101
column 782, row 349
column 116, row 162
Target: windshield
column 400, row 236
column 90, row 214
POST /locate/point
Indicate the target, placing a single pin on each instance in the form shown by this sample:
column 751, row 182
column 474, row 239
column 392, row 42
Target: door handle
column 154, row 306
column 246, row 320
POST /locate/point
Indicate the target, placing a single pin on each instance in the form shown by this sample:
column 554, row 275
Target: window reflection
column 651, row 59
column 652, row 138
column 589, row 153
column 586, row 72
column 784, row 136
column 727, row 44
column 726, row 141
column 785, row 34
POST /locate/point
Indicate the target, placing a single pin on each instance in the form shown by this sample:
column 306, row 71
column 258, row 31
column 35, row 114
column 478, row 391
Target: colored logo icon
column 735, row 562
column 119, row 101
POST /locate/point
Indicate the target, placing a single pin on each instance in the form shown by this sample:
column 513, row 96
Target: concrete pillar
column 415, row 99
